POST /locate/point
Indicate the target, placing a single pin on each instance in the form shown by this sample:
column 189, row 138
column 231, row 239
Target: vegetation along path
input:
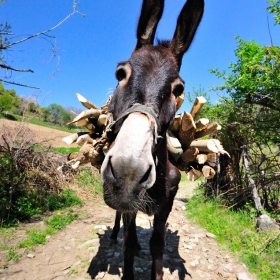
column 83, row 251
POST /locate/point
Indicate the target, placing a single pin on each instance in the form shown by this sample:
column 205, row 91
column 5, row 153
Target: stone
column 211, row 235
column 101, row 274
column 89, row 242
column 30, row 256
column 103, row 227
column 265, row 223
column 242, row 276
column 223, row 273
column 194, row 263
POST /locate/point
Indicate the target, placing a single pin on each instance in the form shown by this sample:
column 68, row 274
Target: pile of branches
column 27, row 176
column 194, row 156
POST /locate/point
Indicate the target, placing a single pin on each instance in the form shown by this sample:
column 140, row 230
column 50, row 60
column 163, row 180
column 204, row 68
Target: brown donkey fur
column 136, row 172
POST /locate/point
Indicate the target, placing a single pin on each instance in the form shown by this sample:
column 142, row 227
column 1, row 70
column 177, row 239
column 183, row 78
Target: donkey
column 136, row 173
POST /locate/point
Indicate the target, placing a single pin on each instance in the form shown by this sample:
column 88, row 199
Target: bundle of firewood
column 195, row 157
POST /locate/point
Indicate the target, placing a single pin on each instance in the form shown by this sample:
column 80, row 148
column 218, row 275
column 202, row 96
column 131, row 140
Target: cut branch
column 199, row 102
column 210, row 129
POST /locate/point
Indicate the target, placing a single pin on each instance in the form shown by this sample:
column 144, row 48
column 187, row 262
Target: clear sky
column 89, row 48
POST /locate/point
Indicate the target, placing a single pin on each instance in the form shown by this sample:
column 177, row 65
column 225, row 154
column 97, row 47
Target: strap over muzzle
column 144, row 110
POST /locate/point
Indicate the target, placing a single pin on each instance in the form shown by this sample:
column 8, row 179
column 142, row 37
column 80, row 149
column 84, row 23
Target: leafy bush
column 29, row 183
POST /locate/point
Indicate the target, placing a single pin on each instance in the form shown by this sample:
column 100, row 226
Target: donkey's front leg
column 116, row 228
column 157, row 241
column 129, row 245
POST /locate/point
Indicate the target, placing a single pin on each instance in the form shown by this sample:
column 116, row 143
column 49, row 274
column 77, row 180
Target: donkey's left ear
column 187, row 24
column 151, row 13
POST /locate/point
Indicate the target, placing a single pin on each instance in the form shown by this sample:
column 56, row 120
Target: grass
column 236, row 230
column 34, row 120
column 89, row 180
column 35, row 236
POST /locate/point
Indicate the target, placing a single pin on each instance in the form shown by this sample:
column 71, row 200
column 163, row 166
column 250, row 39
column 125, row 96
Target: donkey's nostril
column 111, row 168
column 146, row 175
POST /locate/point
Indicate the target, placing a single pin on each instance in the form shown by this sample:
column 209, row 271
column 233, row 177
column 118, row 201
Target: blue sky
column 89, row 48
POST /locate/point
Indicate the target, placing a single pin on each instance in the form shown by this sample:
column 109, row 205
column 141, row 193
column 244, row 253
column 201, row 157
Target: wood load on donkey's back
column 137, row 140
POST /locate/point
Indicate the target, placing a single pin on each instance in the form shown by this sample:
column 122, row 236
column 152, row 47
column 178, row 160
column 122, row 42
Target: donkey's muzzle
column 129, row 166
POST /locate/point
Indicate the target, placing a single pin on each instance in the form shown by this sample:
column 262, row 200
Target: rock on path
column 82, row 251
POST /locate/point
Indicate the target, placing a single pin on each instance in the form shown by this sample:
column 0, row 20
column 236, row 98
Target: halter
column 137, row 107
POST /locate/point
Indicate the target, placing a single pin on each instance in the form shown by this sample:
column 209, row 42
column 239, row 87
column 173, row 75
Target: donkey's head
column 143, row 105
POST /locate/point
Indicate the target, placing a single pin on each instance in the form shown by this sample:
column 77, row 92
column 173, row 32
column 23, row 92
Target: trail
column 82, row 250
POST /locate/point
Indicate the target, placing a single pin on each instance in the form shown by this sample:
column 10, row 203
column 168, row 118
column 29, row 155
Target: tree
column 254, row 82
column 251, row 117
column 7, row 41
column 58, row 114
column 274, row 8
column 6, row 102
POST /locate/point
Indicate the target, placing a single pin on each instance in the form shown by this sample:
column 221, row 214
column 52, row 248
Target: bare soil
column 83, row 251
column 40, row 134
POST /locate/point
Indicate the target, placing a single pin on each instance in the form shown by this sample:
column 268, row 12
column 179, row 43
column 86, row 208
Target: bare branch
column 17, row 84
column 15, row 69
column 40, row 33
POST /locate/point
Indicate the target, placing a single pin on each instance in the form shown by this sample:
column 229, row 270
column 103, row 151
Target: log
column 85, row 138
column 102, row 120
column 187, row 130
column 208, row 172
column 91, row 128
column 82, row 122
column 173, row 145
column 179, row 101
column 73, row 113
column 176, row 125
column 198, row 104
column 73, row 137
column 201, row 123
column 211, row 159
column 212, row 128
column 85, row 102
column 187, row 157
column 193, row 174
column 93, row 113
column 201, row 158
column 209, row 146
column 187, row 122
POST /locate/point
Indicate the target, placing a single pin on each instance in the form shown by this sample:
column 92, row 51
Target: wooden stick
column 93, row 113
column 176, row 125
column 201, row 123
column 187, row 130
column 102, row 120
column 72, row 137
column 198, row 104
column 194, row 174
column 206, row 145
column 179, row 101
column 173, row 145
column 187, row 157
column 208, row 172
column 201, row 158
column 212, row 128
column 85, row 102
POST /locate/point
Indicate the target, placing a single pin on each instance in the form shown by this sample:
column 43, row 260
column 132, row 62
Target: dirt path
column 38, row 134
column 82, row 250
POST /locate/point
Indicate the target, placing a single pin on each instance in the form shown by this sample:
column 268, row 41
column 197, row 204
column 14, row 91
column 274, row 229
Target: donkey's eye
column 178, row 89
column 120, row 74
column 123, row 73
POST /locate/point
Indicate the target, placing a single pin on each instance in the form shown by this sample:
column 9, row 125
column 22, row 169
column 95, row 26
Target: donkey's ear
column 151, row 13
column 187, row 24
